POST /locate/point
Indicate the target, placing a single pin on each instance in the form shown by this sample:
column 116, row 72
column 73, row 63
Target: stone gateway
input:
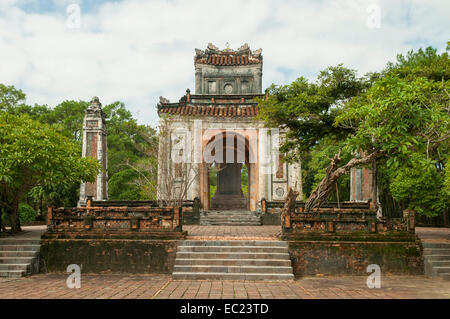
column 220, row 120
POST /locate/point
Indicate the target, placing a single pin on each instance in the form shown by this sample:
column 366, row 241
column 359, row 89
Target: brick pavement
column 434, row 234
column 232, row 232
column 50, row 286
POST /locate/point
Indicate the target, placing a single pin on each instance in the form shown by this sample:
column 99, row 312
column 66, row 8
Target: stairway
column 19, row 257
column 232, row 260
column 230, row 217
column 437, row 259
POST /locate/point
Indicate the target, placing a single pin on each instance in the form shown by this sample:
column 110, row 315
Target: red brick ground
column 434, row 234
column 49, row 286
column 232, row 232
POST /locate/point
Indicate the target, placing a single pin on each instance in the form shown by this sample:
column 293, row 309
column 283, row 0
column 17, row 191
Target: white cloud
column 135, row 51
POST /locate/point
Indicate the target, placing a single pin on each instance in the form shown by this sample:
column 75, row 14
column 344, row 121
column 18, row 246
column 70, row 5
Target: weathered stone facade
column 228, row 71
column 219, row 118
column 95, row 146
column 361, row 181
column 132, row 239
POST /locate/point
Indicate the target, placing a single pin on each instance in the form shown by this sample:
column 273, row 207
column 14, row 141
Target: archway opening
column 228, row 180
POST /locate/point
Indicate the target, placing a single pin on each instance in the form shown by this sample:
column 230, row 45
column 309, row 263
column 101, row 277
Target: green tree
column 308, row 109
column 397, row 120
column 33, row 154
column 406, row 121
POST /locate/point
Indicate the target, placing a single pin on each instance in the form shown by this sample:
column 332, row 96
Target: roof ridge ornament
column 95, row 108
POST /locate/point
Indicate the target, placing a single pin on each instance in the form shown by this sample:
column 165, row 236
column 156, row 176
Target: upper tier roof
column 213, row 56
column 242, row 105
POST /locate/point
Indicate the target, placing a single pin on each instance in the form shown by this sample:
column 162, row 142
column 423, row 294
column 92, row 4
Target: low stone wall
column 345, row 241
column 190, row 208
column 135, row 239
column 346, row 257
column 116, row 222
column 271, row 218
column 109, row 255
column 275, row 206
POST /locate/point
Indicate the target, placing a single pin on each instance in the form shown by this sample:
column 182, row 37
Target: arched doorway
column 233, row 154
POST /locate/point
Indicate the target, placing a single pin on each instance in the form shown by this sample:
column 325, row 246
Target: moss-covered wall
column 324, row 257
column 114, row 255
column 271, row 218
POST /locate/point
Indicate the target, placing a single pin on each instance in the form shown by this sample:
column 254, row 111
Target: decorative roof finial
column 95, row 103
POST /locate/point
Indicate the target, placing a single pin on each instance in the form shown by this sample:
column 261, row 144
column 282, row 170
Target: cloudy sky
column 137, row 50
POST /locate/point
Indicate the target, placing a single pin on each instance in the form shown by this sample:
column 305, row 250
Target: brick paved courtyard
column 201, row 232
column 51, row 286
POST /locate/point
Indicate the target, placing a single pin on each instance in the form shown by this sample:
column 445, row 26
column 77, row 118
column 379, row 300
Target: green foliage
column 401, row 113
column 308, row 109
column 26, row 213
column 121, row 186
column 421, row 187
column 34, row 154
column 244, row 180
column 314, row 167
column 128, row 142
column 405, row 117
column 10, row 97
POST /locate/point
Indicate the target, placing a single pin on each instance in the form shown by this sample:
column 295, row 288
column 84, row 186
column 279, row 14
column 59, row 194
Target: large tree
column 33, row 154
column 397, row 119
column 405, row 118
column 307, row 109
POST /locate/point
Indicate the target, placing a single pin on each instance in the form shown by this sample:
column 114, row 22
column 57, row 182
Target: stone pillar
column 295, row 178
column 264, row 163
column 198, row 81
column 360, row 184
column 257, row 75
column 95, row 146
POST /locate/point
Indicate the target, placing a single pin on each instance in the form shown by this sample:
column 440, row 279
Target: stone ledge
column 333, row 258
column 109, row 255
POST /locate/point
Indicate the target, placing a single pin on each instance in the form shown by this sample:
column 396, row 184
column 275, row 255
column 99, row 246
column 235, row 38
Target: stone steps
column 233, row 269
column 237, row 255
column 13, row 273
column 230, row 276
column 230, row 217
column 232, row 249
column 232, row 260
column 19, row 247
column 19, row 257
column 18, row 253
column 271, row 243
column 22, row 267
column 433, row 251
column 437, row 260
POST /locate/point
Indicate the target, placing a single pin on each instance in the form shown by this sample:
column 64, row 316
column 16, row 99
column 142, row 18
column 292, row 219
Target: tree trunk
column 374, row 184
column 289, row 203
column 333, row 172
column 14, row 218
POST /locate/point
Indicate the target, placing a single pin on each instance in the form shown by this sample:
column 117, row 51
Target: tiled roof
column 217, row 110
column 213, row 56
column 228, row 59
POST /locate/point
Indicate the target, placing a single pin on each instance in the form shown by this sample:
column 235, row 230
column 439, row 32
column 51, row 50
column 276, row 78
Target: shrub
column 26, row 214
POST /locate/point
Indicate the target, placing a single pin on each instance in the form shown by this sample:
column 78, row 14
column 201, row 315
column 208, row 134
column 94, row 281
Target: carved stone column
column 198, row 81
column 95, row 146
